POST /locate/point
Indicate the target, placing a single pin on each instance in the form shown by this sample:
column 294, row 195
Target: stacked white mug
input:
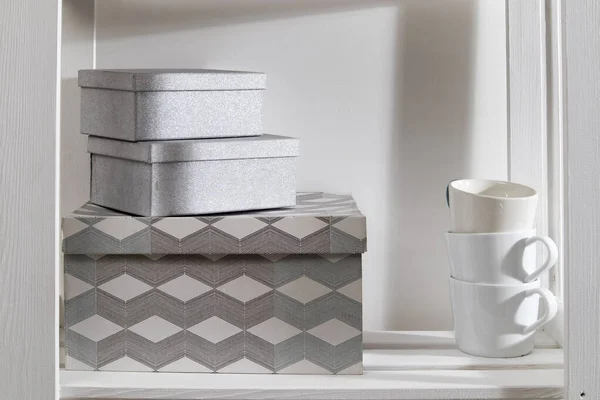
column 494, row 275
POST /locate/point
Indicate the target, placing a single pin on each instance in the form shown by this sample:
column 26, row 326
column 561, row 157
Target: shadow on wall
column 77, row 48
column 428, row 134
column 430, row 147
column 158, row 16
column 77, row 34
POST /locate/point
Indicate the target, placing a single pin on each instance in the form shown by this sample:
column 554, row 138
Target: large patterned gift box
column 267, row 292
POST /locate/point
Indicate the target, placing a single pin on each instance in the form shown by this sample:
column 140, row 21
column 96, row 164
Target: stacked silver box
column 137, row 105
column 183, row 142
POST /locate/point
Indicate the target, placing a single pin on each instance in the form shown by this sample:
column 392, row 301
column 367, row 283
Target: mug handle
column 551, row 308
column 550, row 261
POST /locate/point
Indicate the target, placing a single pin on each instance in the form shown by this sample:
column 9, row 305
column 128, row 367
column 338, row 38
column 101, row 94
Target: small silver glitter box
column 137, row 105
column 192, row 177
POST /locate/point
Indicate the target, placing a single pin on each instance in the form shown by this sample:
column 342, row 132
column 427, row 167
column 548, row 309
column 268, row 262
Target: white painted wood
column 555, row 102
column 581, row 19
column 410, row 385
column 527, row 116
column 454, row 359
column 29, row 43
column 378, row 340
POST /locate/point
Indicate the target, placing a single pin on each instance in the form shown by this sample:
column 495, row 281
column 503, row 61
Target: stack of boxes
column 167, row 143
column 160, row 276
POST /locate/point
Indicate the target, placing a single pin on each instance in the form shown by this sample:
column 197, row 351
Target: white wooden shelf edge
column 452, row 359
column 431, row 340
column 414, row 385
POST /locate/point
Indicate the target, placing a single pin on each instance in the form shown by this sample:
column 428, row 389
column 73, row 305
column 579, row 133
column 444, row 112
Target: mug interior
column 488, row 188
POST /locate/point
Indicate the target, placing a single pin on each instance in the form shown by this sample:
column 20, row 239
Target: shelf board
column 414, row 385
column 431, row 340
column 437, row 371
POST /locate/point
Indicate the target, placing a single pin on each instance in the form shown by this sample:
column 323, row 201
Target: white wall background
column 391, row 100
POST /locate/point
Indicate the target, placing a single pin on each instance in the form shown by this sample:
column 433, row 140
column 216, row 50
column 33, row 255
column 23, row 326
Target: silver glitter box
column 136, row 105
column 192, row 177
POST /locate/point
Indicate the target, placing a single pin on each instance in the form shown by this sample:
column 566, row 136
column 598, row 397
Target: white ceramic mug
column 499, row 320
column 479, row 205
column 507, row 258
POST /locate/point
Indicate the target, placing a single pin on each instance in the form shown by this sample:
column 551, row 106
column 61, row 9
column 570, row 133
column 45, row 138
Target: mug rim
column 525, row 285
column 521, row 232
column 532, row 191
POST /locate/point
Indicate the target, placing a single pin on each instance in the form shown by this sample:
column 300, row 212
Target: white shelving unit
column 408, row 365
column 553, row 59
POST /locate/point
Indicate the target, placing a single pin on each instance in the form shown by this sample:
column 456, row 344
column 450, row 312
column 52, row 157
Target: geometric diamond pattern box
column 265, row 292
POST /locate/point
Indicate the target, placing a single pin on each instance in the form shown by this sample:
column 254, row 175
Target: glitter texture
column 137, row 105
column 265, row 146
column 150, row 80
column 194, row 177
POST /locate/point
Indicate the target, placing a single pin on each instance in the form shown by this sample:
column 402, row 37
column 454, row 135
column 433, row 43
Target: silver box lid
column 265, row 146
column 151, row 80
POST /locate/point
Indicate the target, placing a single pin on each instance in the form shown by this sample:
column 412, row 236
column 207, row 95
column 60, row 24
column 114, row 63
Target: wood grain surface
column 581, row 20
column 414, row 385
column 28, row 223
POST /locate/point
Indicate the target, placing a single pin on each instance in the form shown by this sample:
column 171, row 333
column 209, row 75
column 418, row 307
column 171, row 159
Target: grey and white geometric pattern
column 267, row 292
column 244, row 289
column 184, row 288
column 304, row 290
column 294, row 314
column 155, row 329
column 274, row 331
column 319, row 224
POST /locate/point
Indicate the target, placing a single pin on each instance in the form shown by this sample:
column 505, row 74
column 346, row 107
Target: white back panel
column 390, row 100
